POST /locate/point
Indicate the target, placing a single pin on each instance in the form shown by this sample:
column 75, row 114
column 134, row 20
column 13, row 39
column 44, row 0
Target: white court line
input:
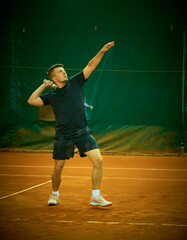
column 23, row 175
column 86, row 177
column 157, row 224
column 27, row 189
column 106, row 168
column 140, row 224
column 59, row 221
column 111, row 223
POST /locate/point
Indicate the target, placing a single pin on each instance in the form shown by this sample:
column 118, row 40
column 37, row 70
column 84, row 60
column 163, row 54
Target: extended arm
column 35, row 96
column 96, row 60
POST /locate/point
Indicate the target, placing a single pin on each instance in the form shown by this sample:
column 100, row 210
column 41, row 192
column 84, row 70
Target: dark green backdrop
column 136, row 90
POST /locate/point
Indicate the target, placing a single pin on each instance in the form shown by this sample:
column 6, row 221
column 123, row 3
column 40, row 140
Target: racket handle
column 52, row 85
column 88, row 106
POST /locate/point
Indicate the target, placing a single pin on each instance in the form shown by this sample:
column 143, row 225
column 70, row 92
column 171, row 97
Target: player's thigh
column 63, row 149
column 85, row 144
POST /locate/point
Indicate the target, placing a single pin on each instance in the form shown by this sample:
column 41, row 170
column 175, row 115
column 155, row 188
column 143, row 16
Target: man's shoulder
column 78, row 77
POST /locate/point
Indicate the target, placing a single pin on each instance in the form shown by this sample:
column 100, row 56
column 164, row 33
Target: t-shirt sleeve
column 45, row 99
column 79, row 78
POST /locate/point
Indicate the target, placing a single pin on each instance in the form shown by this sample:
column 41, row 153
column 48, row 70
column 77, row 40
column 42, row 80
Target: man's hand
column 35, row 99
column 48, row 84
column 96, row 60
column 107, row 46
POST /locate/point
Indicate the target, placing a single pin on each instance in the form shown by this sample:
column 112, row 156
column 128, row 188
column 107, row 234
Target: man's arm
column 35, row 99
column 96, row 60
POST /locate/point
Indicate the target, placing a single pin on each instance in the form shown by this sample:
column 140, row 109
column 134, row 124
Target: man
column 71, row 124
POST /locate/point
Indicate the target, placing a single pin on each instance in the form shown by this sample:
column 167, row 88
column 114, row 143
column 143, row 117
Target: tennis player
column 71, row 124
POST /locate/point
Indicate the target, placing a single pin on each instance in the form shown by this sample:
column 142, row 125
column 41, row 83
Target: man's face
column 59, row 75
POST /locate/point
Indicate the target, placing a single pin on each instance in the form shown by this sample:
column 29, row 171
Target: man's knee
column 58, row 167
column 98, row 162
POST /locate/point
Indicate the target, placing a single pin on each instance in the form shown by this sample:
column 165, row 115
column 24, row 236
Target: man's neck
column 62, row 84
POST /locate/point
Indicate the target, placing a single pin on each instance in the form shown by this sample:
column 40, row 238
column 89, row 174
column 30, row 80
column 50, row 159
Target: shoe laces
column 99, row 198
column 54, row 196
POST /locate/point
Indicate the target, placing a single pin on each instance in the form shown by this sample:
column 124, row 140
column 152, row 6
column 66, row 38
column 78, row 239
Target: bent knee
column 98, row 162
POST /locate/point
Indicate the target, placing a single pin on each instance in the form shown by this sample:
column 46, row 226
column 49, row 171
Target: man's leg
column 97, row 173
column 56, row 176
column 56, row 180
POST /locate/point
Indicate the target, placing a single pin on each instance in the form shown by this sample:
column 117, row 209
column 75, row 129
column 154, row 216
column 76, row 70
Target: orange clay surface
column 149, row 196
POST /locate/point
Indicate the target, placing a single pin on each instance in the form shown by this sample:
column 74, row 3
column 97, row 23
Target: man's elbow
column 88, row 70
column 37, row 103
column 29, row 101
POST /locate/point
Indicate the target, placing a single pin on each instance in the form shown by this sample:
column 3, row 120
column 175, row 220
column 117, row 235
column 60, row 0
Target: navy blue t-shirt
column 68, row 106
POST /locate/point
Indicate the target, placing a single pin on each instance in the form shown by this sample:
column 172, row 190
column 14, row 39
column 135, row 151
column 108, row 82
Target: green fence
column 136, row 90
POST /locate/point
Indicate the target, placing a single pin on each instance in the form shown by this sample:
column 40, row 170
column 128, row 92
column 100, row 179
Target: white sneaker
column 99, row 201
column 53, row 200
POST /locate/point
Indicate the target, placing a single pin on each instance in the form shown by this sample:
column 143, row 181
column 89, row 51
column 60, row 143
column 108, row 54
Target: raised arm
column 35, row 99
column 96, row 60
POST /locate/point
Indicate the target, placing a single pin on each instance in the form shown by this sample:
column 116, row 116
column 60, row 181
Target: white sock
column 95, row 193
column 57, row 193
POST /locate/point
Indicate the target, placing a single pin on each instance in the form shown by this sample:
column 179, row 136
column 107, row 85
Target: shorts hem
column 62, row 158
column 84, row 155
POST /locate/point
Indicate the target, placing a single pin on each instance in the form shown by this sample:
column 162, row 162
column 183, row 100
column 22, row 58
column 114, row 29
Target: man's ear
column 53, row 78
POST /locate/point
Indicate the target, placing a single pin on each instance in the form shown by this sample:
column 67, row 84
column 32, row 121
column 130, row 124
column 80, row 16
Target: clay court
column 126, row 61
column 149, row 195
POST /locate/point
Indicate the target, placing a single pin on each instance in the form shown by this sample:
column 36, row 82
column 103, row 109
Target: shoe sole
column 52, row 204
column 97, row 204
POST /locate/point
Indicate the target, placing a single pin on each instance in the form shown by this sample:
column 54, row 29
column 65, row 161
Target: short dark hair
column 51, row 69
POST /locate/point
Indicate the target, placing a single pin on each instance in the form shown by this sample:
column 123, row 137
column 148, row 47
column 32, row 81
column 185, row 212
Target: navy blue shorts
column 64, row 148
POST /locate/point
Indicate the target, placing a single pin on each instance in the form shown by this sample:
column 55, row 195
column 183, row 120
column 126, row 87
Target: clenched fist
column 49, row 84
